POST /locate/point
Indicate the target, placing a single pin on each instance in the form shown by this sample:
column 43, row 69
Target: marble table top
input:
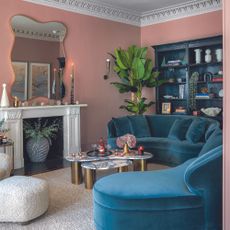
column 106, row 164
column 116, row 155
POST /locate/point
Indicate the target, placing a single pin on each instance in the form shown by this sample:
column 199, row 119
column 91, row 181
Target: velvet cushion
column 213, row 141
column 179, row 129
column 122, row 126
column 139, row 126
column 196, row 131
column 210, row 130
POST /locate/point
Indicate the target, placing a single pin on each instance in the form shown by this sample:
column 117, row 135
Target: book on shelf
column 217, row 79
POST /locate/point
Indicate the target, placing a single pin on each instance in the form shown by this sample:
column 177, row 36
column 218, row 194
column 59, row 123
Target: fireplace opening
column 40, row 162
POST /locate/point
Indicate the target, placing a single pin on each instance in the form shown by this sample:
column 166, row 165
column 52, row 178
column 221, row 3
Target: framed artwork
column 39, row 80
column 19, row 87
column 166, row 108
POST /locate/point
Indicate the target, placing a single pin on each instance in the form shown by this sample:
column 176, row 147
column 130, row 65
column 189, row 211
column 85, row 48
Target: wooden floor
column 35, row 168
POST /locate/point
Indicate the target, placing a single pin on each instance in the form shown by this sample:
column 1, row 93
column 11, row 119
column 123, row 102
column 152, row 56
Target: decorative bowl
column 211, row 112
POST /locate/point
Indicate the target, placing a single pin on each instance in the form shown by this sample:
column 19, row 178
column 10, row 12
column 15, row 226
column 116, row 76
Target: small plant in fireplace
column 39, row 135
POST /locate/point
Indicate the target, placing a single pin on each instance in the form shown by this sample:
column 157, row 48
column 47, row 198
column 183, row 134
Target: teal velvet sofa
column 172, row 139
column 185, row 197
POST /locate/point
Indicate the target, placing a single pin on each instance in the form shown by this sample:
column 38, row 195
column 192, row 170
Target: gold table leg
column 89, row 177
column 140, row 165
column 76, row 173
column 123, row 169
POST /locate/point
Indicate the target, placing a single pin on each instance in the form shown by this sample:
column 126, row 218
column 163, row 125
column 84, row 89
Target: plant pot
column 37, row 149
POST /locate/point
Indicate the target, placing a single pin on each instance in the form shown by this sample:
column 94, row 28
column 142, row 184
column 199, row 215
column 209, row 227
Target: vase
column 208, row 57
column 198, row 55
column 4, row 99
column 126, row 149
column 37, row 149
column 219, row 54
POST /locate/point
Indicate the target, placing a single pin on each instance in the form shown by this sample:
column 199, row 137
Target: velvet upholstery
column 184, row 197
column 179, row 129
column 166, row 150
column 122, row 126
column 196, row 131
column 139, row 126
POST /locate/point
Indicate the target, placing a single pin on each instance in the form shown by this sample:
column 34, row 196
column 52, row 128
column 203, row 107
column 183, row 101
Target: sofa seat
column 167, row 151
column 141, row 200
column 144, row 190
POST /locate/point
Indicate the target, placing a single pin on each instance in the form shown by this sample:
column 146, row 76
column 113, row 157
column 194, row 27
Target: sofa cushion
column 210, row 130
column 179, row 129
column 139, row 126
column 151, row 190
column 168, row 151
column 196, row 130
column 122, row 125
column 213, row 141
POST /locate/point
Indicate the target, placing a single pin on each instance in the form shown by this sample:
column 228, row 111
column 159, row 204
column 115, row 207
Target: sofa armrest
column 204, row 177
column 111, row 131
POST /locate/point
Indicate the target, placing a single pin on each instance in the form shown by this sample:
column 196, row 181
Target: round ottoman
column 23, row 198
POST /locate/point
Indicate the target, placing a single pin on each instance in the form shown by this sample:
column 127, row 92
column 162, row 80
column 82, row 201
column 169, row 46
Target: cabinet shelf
column 184, row 51
column 205, row 64
column 166, row 67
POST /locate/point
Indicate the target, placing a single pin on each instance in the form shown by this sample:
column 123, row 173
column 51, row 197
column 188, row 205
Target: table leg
column 123, row 169
column 140, row 165
column 89, row 177
column 76, row 173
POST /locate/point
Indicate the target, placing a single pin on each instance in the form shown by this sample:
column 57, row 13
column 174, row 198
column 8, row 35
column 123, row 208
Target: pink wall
column 226, row 20
column 195, row 27
column 87, row 43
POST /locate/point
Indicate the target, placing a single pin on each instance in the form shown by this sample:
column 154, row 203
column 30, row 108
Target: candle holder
column 72, row 90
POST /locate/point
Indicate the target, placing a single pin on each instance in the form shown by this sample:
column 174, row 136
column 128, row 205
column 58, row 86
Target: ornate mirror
column 38, row 58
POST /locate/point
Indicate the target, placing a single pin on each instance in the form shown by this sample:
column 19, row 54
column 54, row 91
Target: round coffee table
column 91, row 167
column 139, row 160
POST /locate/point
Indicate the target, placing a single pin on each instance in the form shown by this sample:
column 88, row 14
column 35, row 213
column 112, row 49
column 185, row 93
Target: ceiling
column 135, row 12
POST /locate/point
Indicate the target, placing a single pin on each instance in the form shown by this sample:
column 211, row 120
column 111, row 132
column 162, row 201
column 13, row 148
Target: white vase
column 208, row 57
column 219, row 54
column 198, row 55
column 4, row 99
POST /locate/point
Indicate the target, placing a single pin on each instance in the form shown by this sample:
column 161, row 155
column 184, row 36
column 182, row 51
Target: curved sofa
column 170, row 143
column 188, row 196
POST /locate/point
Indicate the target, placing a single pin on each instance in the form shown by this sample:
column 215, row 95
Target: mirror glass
column 38, row 58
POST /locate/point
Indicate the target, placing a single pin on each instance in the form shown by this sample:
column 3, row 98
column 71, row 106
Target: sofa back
column 159, row 125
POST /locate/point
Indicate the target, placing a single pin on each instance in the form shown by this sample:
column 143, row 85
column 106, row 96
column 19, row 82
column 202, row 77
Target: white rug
column 70, row 205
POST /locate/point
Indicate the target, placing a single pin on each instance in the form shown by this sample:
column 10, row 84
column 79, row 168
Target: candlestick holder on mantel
column 72, row 85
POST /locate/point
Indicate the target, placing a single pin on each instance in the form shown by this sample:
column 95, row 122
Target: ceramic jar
column 208, row 57
column 219, row 54
column 198, row 55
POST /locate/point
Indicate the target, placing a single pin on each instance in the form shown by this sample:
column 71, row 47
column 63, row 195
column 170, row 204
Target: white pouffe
column 23, row 198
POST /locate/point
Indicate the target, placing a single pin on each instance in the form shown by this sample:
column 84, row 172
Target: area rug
column 70, row 205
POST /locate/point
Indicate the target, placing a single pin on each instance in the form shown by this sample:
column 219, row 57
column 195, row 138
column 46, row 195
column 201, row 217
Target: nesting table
column 116, row 159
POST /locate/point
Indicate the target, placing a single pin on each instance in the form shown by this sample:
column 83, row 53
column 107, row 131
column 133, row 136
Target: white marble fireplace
column 71, row 126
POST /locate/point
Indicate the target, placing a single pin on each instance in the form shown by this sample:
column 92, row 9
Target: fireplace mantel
column 71, row 126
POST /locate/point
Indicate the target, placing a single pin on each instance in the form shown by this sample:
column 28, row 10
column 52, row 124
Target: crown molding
column 36, row 35
column 178, row 11
column 105, row 11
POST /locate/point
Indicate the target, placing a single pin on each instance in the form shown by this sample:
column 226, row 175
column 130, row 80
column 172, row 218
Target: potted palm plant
column 39, row 137
column 135, row 72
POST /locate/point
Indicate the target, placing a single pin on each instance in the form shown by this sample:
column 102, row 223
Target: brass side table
column 6, row 145
column 90, row 169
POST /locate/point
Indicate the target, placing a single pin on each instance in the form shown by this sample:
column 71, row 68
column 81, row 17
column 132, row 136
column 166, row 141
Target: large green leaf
column 124, row 58
column 138, row 68
column 123, row 88
column 118, row 59
column 148, row 69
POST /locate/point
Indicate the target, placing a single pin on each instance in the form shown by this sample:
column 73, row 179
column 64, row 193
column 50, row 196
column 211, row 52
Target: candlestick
column 72, row 85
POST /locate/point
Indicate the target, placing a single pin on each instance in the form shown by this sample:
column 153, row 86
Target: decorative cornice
column 36, row 35
column 106, row 11
column 178, row 11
